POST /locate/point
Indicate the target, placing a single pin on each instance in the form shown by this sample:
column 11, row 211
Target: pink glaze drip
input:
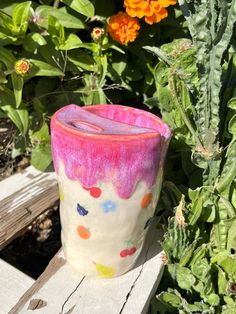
column 111, row 143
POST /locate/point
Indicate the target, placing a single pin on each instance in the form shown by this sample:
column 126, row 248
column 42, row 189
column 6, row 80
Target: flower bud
column 22, row 66
column 97, row 33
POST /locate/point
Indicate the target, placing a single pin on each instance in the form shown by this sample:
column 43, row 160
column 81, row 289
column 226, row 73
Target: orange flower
column 152, row 10
column 123, row 28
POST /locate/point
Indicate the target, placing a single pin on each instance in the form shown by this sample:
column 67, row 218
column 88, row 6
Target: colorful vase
column 109, row 161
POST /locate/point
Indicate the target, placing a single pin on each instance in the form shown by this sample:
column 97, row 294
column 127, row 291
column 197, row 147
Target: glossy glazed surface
column 109, row 161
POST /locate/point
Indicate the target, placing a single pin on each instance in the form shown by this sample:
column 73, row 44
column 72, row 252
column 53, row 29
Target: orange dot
column 146, row 200
column 83, row 232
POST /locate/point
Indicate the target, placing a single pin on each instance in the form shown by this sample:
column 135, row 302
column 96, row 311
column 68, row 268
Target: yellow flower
column 22, row 66
column 123, row 28
column 153, row 11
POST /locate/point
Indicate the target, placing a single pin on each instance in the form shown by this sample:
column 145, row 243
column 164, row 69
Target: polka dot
column 146, row 200
column 95, row 192
column 83, row 232
column 81, row 210
column 105, row 271
column 109, row 206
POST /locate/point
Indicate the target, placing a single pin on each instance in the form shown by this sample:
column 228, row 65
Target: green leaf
column 20, row 16
column 82, row 60
column 19, row 147
column 213, row 299
column 229, row 170
column 41, row 156
column 231, row 241
column 40, row 68
column 232, row 125
column 6, row 21
column 33, row 40
column 159, row 53
column 196, row 205
column 19, row 116
column 232, row 103
column 151, row 102
column 17, row 82
column 84, row 7
column 64, row 18
column 102, row 64
column 41, row 135
column 7, row 58
column 170, row 298
column 72, row 42
column 183, row 275
column 222, row 281
column 6, row 39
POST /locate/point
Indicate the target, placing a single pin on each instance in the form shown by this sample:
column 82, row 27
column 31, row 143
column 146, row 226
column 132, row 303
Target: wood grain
column 13, row 284
column 23, row 197
column 64, row 291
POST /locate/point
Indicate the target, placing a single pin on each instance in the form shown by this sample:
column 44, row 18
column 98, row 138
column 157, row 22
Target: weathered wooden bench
column 59, row 290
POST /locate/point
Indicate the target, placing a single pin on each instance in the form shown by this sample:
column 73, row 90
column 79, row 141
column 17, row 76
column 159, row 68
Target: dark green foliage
column 197, row 99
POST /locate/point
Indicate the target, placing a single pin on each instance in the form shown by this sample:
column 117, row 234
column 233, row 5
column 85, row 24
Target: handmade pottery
column 109, row 160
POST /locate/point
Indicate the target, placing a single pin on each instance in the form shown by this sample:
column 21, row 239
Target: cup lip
column 166, row 134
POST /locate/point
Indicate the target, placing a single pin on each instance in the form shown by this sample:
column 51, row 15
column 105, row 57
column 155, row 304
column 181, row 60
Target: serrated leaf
column 183, row 275
column 229, row 170
column 84, row 7
column 196, row 205
column 171, row 299
column 159, row 53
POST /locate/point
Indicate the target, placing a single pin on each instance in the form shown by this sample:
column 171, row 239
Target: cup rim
column 165, row 134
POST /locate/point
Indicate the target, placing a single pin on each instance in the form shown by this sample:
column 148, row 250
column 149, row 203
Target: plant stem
column 56, row 3
column 182, row 112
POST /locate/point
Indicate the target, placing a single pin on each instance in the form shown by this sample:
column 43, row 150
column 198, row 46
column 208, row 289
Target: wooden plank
column 13, row 284
column 63, row 291
column 23, row 197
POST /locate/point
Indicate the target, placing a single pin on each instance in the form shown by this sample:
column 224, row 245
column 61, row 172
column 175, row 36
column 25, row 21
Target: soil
column 32, row 251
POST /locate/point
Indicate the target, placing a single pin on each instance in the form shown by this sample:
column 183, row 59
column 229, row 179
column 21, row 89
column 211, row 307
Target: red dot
column 124, row 253
column 95, row 192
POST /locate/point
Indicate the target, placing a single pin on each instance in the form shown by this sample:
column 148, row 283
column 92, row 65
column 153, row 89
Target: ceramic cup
column 109, row 163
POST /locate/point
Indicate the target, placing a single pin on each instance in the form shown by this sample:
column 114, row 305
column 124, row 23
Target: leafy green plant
column 50, row 56
column 195, row 90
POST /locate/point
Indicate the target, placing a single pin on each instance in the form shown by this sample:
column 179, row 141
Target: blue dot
column 109, row 206
column 81, row 210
